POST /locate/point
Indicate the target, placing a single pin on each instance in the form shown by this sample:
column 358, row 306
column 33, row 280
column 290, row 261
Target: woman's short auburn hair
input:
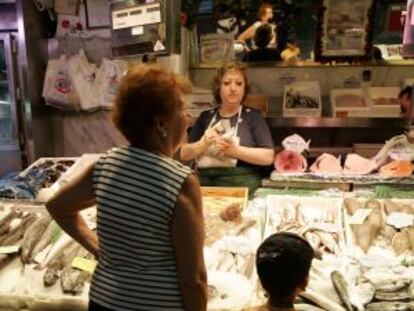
column 145, row 93
column 221, row 72
column 262, row 9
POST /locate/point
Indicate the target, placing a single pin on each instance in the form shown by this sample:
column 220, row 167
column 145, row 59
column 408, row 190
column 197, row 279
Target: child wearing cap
column 283, row 262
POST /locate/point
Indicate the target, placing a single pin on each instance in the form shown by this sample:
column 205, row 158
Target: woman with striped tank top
column 149, row 240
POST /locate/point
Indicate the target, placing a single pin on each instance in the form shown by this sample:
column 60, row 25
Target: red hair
column 145, row 93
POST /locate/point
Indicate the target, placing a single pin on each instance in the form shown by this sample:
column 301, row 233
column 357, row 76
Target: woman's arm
column 253, row 155
column 188, row 241
column 65, row 205
column 247, row 34
column 190, row 151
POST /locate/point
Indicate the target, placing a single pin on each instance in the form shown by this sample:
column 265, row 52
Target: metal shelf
column 329, row 122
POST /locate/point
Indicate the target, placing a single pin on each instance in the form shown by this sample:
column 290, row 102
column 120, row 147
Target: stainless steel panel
column 8, row 115
column 32, row 62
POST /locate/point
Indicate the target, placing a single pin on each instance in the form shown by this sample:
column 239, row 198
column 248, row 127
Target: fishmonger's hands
column 210, row 136
column 226, row 147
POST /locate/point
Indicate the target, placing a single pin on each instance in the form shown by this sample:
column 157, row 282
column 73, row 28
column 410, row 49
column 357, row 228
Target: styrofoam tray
column 313, row 210
column 80, row 164
column 349, row 111
column 378, row 247
column 47, row 192
column 387, row 94
column 307, row 90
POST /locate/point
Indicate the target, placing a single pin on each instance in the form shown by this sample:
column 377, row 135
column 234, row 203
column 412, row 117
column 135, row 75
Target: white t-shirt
column 273, row 26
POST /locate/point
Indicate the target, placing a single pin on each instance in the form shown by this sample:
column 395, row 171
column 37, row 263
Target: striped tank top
column 136, row 192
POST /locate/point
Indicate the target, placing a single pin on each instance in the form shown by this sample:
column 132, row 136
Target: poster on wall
column 408, row 39
column 70, row 7
column 97, row 14
column 344, row 28
column 216, row 47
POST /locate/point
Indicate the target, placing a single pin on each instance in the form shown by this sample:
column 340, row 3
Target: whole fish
column 57, row 249
column 50, row 235
column 393, row 285
column 399, row 296
column 52, row 272
column 321, row 300
column 19, row 231
column 6, row 219
column 306, row 307
column 362, row 293
column 73, row 280
column 389, row 306
column 32, row 236
column 341, row 288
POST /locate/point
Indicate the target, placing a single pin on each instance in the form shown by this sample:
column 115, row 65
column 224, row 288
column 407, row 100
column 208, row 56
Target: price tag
column 9, row 249
column 84, row 264
column 400, row 220
column 359, row 216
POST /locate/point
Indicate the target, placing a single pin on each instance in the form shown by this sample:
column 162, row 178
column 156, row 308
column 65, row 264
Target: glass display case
column 9, row 138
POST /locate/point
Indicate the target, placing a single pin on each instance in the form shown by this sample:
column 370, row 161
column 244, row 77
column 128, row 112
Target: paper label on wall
column 9, row 249
column 159, row 46
column 137, row 31
column 139, row 15
column 412, row 14
column 84, row 264
column 359, row 216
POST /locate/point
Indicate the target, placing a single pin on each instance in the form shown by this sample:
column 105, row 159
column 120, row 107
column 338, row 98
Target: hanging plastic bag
column 57, row 88
column 83, row 74
column 114, row 71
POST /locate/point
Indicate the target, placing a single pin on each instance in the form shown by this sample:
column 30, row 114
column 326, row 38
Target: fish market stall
column 364, row 242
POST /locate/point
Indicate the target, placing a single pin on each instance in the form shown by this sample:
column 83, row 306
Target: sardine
column 341, row 288
column 389, row 306
column 400, row 242
column 391, row 207
column 51, row 234
column 398, row 296
column 19, row 231
column 6, row 219
column 32, row 236
column 73, row 280
column 52, row 272
column 306, row 307
column 321, row 300
column 365, row 290
column 56, row 250
column 410, row 234
column 393, row 285
column 352, row 205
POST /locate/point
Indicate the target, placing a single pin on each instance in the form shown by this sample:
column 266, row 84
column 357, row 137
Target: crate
column 360, row 107
column 215, row 199
column 297, row 98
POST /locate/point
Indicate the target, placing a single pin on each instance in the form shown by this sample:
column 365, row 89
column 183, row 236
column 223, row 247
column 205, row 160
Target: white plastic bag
column 107, row 81
column 82, row 74
column 58, row 88
column 114, row 71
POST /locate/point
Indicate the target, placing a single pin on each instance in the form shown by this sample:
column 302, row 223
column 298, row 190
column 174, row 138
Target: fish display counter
column 364, row 243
